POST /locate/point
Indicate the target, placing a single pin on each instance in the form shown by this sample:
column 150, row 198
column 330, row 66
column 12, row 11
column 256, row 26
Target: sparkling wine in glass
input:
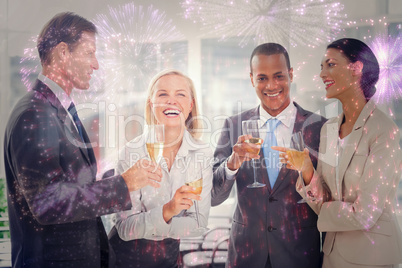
column 251, row 127
column 155, row 138
column 197, row 184
column 257, row 141
column 296, row 156
column 194, row 179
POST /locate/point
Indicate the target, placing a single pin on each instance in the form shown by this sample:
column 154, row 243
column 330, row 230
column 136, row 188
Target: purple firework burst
column 388, row 51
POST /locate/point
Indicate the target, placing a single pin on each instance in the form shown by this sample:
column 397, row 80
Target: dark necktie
column 76, row 119
column 73, row 111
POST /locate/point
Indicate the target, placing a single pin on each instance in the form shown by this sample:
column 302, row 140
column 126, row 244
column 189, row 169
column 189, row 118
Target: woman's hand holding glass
column 295, row 160
column 195, row 181
column 182, row 200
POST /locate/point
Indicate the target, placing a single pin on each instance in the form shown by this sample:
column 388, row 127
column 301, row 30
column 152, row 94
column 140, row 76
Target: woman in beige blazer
column 353, row 190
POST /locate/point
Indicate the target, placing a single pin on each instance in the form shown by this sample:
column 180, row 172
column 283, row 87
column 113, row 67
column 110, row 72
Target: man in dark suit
column 269, row 229
column 54, row 201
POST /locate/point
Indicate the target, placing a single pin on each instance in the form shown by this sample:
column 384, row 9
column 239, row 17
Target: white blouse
column 145, row 219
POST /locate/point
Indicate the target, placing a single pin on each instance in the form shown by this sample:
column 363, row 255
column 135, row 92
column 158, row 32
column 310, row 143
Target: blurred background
column 211, row 41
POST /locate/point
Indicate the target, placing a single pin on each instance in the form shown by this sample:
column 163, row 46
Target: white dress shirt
column 283, row 131
column 145, row 220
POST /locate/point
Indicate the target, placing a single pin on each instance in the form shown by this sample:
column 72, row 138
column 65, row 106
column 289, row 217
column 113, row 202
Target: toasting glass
column 155, row 139
column 296, row 156
column 250, row 127
column 194, row 179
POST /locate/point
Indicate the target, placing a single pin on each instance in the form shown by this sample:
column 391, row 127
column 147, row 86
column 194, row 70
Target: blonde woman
column 148, row 234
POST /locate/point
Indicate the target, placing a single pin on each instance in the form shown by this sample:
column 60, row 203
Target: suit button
column 271, row 199
column 270, row 229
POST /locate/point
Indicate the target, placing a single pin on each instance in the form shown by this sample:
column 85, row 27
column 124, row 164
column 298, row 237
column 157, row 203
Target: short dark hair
column 270, row 49
column 64, row 27
column 355, row 50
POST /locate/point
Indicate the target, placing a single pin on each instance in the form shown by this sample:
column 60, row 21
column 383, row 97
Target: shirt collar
column 64, row 99
column 287, row 116
column 189, row 143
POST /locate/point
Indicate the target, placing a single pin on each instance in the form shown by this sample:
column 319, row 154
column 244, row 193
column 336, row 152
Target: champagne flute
column 197, row 184
column 195, row 180
column 155, row 138
column 251, row 127
column 296, row 156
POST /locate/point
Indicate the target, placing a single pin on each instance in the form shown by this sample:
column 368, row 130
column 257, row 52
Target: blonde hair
column 193, row 122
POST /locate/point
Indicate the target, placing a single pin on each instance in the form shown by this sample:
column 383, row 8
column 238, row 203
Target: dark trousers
column 144, row 252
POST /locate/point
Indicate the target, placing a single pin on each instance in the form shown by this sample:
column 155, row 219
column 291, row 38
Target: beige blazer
column 360, row 221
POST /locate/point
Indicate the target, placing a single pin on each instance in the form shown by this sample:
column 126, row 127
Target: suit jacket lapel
column 328, row 156
column 282, row 176
column 75, row 138
column 283, row 173
column 90, row 151
column 251, row 115
column 347, row 154
column 70, row 130
column 353, row 139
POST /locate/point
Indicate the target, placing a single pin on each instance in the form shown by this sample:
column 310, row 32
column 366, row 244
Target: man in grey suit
column 54, row 200
column 269, row 228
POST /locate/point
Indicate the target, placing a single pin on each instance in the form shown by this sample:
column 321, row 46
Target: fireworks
column 30, row 64
column 134, row 43
column 309, row 22
column 388, row 51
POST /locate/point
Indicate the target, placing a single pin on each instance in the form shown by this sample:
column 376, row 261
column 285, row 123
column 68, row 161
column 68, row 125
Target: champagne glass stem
column 304, row 186
column 254, row 172
column 197, row 214
column 303, row 200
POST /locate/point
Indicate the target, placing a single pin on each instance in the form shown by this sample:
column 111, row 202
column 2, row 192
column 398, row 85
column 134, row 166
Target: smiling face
column 336, row 73
column 172, row 101
column 81, row 62
column 271, row 79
